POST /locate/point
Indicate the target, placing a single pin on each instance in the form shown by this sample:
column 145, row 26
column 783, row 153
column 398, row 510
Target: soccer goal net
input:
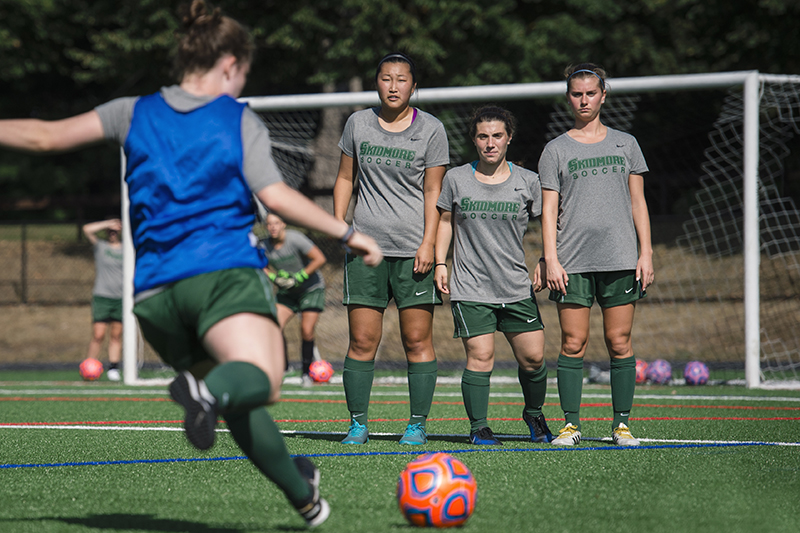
column 724, row 162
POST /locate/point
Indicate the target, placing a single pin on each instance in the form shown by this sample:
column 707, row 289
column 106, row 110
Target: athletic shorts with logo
column 471, row 319
column 609, row 288
column 175, row 319
column 394, row 278
column 300, row 300
column 106, row 309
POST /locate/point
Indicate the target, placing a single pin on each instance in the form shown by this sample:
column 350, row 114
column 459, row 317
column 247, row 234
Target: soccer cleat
column 357, row 434
column 414, row 435
column 113, row 374
column 307, row 381
column 200, row 407
column 622, row 436
column 538, row 427
column 314, row 510
column 567, row 436
column 484, row 437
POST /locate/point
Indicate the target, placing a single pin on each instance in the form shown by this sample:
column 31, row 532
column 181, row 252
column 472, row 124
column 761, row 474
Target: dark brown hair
column 206, row 36
column 398, row 57
column 586, row 70
column 489, row 113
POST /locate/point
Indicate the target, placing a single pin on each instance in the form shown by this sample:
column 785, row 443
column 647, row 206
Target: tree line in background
column 61, row 57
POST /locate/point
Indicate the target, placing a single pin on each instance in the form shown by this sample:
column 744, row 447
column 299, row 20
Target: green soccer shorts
column 106, row 309
column 394, row 278
column 471, row 319
column 299, row 301
column 609, row 288
column 175, row 319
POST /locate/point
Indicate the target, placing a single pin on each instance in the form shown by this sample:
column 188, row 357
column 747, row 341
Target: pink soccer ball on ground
column 90, row 369
column 641, row 371
column 320, row 371
column 696, row 373
column 659, row 371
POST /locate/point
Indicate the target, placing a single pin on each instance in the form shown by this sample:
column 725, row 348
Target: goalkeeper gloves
column 286, row 281
column 300, row 277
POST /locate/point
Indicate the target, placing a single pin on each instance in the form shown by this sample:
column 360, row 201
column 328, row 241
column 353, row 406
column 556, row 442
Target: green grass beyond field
column 78, row 457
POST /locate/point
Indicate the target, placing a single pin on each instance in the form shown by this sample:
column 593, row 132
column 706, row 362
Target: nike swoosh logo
column 629, row 290
column 531, row 320
column 420, row 293
column 620, row 146
column 413, row 139
column 517, row 188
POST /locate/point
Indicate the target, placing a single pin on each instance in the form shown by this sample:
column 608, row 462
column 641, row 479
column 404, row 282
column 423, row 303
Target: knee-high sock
column 534, row 389
column 475, row 391
column 238, row 386
column 307, row 355
column 421, row 384
column 623, row 383
column 570, row 388
column 357, row 379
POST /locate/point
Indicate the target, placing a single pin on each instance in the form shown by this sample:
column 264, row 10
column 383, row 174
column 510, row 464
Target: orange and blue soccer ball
column 91, row 369
column 436, row 490
column 659, row 371
column 696, row 373
column 641, row 371
column 320, row 371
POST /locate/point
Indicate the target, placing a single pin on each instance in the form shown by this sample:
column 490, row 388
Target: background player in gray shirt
column 398, row 155
column 106, row 293
column 485, row 207
column 594, row 212
column 294, row 263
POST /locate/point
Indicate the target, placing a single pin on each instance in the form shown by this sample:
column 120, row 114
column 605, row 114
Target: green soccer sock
column 421, row 384
column 570, row 388
column 357, row 379
column 534, row 389
column 238, row 386
column 259, row 438
column 623, row 383
column 475, row 391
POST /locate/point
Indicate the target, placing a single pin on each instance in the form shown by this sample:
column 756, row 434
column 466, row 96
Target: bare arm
column 34, row 135
column 343, row 187
column 432, row 187
column 296, row 208
column 93, row 228
column 641, row 221
column 557, row 277
column 444, row 236
column 316, row 260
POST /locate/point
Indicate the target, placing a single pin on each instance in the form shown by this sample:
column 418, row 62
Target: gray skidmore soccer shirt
column 108, row 270
column 258, row 166
column 490, row 221
column 595, row 231
column 391, row 170
column 292, row 257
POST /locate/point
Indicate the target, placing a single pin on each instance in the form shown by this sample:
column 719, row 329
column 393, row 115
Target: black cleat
column 314, row 510
column 200, row 406
column 538, row 426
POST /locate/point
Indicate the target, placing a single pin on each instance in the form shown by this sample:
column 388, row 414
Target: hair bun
column 198, row 15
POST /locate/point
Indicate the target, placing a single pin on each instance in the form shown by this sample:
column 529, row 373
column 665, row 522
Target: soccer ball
column 91, row 369
column 641, row 371
column 696, row 373
column 436, row 490
column 659, row 371
column 320, row 371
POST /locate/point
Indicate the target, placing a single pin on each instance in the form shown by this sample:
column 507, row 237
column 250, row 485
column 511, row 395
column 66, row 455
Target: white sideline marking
column 384, row 434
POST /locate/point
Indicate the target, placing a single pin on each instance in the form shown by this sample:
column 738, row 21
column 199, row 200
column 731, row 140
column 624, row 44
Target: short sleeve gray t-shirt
column 489, row 223
column 391, row 206
column 258, row 165
column 595, row 230
column 292, row 257
column 108, row 270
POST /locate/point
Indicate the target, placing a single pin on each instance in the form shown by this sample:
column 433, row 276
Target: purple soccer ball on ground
column 659, row 371
column 696, row 373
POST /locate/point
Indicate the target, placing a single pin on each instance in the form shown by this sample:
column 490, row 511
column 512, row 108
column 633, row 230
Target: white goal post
column 750, row 81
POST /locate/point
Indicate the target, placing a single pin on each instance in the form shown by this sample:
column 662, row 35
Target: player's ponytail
column 205, row 36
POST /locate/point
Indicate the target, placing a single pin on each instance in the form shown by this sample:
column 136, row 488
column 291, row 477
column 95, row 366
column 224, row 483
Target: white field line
column 376, row 433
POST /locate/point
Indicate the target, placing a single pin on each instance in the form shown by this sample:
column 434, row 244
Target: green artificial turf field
column 86, row 457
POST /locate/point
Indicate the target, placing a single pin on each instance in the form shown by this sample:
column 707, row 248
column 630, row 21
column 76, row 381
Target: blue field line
column 414, row 452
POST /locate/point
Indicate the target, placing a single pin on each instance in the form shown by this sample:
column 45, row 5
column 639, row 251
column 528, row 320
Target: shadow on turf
column 337, row 437
column 141, row 522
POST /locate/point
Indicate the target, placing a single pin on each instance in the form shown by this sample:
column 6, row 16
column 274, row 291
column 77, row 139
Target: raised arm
column 34, row 135
column 641, row 221
column 91, row 229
